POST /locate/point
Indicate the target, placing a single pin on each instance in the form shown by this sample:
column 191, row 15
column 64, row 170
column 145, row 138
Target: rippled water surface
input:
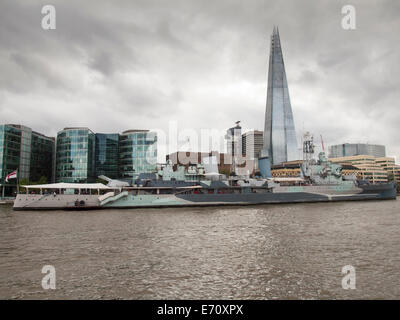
column 259, row 252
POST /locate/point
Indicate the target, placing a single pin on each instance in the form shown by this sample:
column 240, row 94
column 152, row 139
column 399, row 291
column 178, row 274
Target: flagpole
column 17, row 182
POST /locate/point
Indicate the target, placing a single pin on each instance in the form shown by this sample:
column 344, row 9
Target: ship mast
column 308, row 153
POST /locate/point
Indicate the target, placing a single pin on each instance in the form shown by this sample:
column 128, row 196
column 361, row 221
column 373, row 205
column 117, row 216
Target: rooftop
column 135, row 131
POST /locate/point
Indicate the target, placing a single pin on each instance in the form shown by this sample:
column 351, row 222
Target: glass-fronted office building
column 29, row 152
column 10, row 150
column 75, row 155
column 82, row 156
column 137, row 153
column 42, row 157
column 355, row 149
column 106, row 155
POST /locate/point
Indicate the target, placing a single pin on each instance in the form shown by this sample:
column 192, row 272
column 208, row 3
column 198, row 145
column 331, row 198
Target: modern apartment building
column 234, row 144
column 252, row 144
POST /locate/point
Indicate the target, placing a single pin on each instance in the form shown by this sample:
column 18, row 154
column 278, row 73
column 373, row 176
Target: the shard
column 280, row 142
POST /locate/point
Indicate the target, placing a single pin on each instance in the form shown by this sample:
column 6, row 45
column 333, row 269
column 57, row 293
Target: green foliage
column 98, row 180
column 42, row 180
column 23, row 182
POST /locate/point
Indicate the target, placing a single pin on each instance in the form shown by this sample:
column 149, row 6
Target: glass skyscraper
column 280, row 142
column 27, row 151
column 137, row 153
column 10, row 150
column 42, row 155
column 75, row 155
column 106, row 155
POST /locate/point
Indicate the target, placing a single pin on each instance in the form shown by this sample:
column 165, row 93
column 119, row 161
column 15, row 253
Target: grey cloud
column 103, row 62
column 203, row 63
column 308, row 76
column 35, row 69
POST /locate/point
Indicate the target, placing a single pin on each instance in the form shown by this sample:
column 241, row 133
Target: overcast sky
column 117, row 65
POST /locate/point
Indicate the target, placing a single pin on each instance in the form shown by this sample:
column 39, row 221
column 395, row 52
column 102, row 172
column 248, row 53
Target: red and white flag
column 12, row 175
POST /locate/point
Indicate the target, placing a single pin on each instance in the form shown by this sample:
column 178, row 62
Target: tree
column 23, row 182
column 42, row 180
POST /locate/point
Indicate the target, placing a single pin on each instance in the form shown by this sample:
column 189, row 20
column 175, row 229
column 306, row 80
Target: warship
column 320, row 181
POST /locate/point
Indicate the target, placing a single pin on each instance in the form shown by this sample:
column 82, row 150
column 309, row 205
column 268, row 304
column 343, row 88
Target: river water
column 259, row 252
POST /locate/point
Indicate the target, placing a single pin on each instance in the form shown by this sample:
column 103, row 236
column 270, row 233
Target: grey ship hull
column 284, row 195
column 200, row 200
